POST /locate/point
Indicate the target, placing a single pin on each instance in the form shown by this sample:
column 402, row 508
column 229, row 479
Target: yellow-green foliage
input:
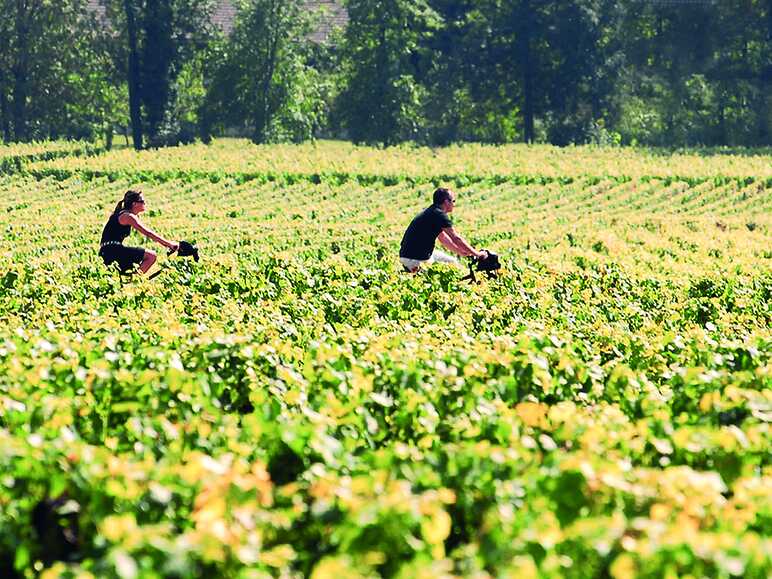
column 14, row 154
column 545, row 161
column 294, row 405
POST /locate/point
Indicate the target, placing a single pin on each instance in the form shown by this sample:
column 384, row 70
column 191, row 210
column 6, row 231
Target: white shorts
column 438, row 256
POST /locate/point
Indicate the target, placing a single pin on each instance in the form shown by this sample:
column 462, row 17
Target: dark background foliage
column 666, row 73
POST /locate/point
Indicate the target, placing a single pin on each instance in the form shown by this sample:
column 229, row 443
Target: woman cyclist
column 124, row 217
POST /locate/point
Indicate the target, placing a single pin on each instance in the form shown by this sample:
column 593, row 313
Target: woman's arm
column 133, row 220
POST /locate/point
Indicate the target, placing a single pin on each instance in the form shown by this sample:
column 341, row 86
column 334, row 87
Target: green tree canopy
column 261, row 79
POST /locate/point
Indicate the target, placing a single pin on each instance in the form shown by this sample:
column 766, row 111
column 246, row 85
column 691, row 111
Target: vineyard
column 293, row 405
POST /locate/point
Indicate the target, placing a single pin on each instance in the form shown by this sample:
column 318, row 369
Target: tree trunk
column 765, row 115
column 4, row 116
column 135, row 111
column 383, row 118
column 527, row 64
column 764, row 129
column 157, row 57
column 264, row 111
column 20, row 70
column 722, row 128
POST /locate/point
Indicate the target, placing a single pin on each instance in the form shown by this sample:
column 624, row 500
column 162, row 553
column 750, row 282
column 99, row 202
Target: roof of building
column 225, row 15
column 333, row 15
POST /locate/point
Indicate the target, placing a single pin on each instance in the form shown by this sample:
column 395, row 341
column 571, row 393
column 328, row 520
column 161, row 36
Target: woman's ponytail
column 119, row 207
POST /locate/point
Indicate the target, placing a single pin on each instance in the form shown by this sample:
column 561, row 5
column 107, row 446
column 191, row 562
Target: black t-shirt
column 419, row 238
column 114, row 231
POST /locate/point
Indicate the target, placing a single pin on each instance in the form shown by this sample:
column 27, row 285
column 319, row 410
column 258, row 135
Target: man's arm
column 454, row 242
column 448, row 243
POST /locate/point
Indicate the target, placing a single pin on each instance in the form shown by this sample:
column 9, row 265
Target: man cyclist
column 417, row 248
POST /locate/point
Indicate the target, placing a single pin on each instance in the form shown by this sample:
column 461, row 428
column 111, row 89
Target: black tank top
column 114, row 231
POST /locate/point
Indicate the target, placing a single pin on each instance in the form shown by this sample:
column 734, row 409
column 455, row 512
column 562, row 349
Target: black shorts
column 126, row 257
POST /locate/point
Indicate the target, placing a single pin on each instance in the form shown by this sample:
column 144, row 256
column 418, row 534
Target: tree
column 465, row 98
column 740, row 72
column 697, row 74
column 263, row 79
column 6, row 59
column 385, row 58
column 158, row 54
column 582, row 57
column 50, row 57
column 158, row 38
column 555, row 61
column 133, row 78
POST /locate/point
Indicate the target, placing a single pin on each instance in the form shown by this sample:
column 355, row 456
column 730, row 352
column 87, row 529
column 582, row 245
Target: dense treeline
column 650, row 72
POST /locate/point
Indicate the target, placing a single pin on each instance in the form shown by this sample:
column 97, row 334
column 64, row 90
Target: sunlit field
column 295, row 405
